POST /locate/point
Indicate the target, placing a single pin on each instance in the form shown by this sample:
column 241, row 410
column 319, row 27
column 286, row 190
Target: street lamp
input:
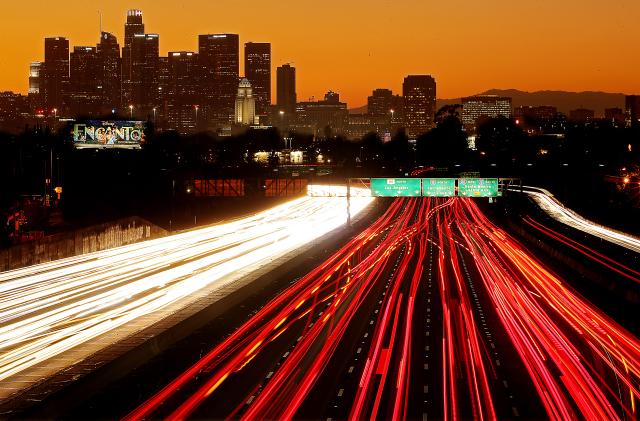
column 154, row 114
column 131, row 111
column 196, row 107
column 55, row 113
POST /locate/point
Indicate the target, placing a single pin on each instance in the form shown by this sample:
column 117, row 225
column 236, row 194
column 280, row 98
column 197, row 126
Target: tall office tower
column 133, row 26
column 257, row 69
column 380, row 103
column 35, row 81
column 34, row 77
column 145, row 67
column 419, row 93
column 158, row 116
column 219, row 66
column 245, row 113
column 488, row 106
column 85, row 97
column 110, row 70
column 181, row 96
column 286, row 87
column 55, row 75
column 632, row 110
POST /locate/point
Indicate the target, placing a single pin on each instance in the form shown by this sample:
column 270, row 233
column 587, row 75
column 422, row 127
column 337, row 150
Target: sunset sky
column 353, row 46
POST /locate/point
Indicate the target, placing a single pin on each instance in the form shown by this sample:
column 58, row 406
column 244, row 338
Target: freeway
column 431, row 312
column 49, row 310
column 554, row 208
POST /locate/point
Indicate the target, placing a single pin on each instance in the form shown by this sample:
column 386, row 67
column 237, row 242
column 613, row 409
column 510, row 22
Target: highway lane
column 433, row 311
column 48, row 309
column 554, row 208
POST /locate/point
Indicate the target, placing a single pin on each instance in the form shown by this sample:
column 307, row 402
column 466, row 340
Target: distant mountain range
column 564, row 101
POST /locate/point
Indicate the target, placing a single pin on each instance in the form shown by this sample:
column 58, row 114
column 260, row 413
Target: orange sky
column 353, row 46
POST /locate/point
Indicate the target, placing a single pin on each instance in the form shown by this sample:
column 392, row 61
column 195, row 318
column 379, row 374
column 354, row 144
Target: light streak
column 48, row 309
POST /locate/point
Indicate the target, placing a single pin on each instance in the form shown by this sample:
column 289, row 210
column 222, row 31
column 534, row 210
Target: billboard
column 109, row 134
column 395, row 187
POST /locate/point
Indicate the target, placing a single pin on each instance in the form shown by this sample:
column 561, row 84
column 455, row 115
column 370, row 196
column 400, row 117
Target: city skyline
column 354, row 59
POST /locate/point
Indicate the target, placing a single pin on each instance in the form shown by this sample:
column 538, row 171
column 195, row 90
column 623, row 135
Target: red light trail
column 580, row 362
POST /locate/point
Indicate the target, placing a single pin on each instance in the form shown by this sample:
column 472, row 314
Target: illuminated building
column 386, row 111
column 35, row 81
column 581, row 116
column 380, row 103
column 85, row 96
column 419, row 92
column 257, row 69
column 632, row 109
column 110, row 71
column 537, row 113
column 484, row 106
column 219, row 62
column 286, row 87
column 34, row 77
column 540, row 119
column 54, row 76
column 133, row 26
column 323, row 118
column 245, row 104
column 181, row 96
column 358, row 125
column 145, row 68
column 615, row 115
column 13, row 109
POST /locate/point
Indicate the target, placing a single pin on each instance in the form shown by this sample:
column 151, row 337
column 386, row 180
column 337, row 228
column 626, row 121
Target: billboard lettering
column 123, row 134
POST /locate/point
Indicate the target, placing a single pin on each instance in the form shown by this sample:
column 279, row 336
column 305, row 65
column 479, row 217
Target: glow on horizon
column 356, row 46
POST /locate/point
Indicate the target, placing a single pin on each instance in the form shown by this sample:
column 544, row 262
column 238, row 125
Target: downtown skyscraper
column 286, row 89
column 219, row 67
column 54, row 77
column 145, row 69
column 133, row 26
column 110, row 68
column 85, row 93
column 182, row 96
column 257, row 68
column 419, row 92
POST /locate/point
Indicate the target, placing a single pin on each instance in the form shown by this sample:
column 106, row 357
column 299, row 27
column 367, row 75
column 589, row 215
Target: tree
column 446, row 143
column 500, row 139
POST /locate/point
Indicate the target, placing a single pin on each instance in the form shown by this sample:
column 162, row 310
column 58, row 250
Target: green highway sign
column 478, row 187
column 439, row 187
column 395, row 187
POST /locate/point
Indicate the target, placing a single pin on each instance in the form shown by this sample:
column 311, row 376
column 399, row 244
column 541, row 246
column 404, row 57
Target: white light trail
column 50, row 308
column 559, row 212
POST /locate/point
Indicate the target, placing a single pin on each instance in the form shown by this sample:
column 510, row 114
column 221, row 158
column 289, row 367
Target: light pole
column 55, row 118
column 131, row 111
column 154, row 114
column 196, row 107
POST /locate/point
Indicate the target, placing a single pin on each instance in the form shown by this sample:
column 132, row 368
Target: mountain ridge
column 564, row 101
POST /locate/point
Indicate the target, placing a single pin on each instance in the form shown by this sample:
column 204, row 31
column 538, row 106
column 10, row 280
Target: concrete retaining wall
column 87, row 240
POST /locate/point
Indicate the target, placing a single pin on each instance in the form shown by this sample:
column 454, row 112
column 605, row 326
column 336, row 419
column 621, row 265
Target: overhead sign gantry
column 436, row 187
